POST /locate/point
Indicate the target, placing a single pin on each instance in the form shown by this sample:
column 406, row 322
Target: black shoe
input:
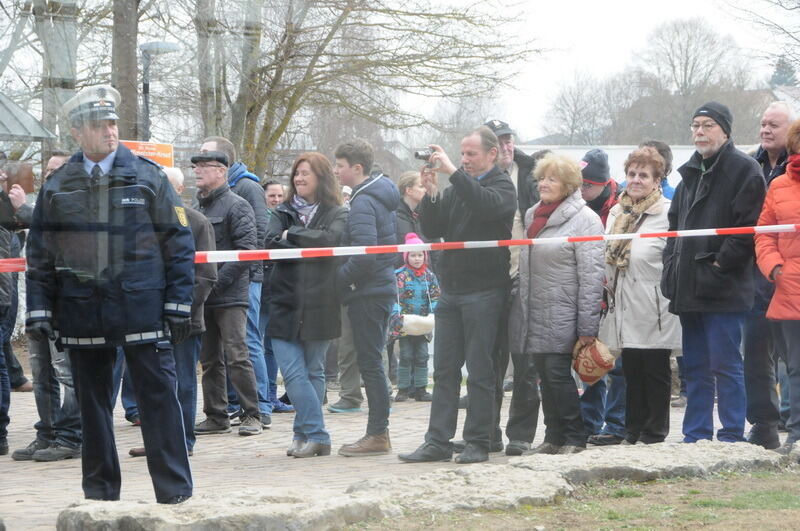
column 56, row 452
column 462, row 402
column 764, row 435
column 545, row 448
column 422, row 395
column 235, row 418
column 26, row 454
column 402, row 395
column 3, row 447
column 517, row 447
column 175, row 500
column 426, row 453
column 605, row 439
column 208, row 427
column 494, row 447
column 266, row 420
column 134, row 419
column 472, row 454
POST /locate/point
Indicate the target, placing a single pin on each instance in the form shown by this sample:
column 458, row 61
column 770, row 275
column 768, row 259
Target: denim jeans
column 759, row 370
column 123, row 375
column 466, row 332
column 302, row 364
column 269, row 354
column 603, row 404
column 791, row 337
column 412, row 369
column 369, row 317
column 783, row 381
column 187, row 355
column 58, row 422
column 255, row 348
column 711, row 356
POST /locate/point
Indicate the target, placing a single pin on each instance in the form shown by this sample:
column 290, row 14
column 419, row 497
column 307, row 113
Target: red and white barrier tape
column 204, row 257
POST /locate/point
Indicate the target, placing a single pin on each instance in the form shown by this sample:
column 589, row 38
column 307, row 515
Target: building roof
column 17, row 124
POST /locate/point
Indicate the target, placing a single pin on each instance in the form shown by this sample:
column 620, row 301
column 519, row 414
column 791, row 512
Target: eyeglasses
column 705, row 126
column 201, row 166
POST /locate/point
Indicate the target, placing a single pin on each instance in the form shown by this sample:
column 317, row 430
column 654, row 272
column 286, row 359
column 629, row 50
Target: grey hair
column 174, row 175
column 784, row 107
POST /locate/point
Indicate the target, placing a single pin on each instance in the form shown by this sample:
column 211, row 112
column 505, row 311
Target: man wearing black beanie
column 709, row 281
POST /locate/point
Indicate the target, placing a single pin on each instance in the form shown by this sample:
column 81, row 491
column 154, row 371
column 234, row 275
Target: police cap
column 98, row 102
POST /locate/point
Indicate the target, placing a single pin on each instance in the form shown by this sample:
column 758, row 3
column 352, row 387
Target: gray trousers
column 224, row 348
column 349, row 376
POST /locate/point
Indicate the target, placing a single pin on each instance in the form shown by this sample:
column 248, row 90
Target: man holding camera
column 479, row 205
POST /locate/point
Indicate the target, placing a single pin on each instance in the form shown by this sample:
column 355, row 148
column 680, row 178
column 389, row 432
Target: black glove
column 178, row 328
column 40, row 331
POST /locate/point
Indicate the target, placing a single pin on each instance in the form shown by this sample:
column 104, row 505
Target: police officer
column 110, row 263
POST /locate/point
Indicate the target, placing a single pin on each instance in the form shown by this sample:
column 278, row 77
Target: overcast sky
column 601, row 38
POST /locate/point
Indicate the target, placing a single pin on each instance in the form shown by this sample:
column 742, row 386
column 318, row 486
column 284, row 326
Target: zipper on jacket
column 658, row 307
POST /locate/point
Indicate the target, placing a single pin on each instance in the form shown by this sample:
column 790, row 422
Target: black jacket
column 234, row 228
column 303, row 304
column 527, row 190
column 109, row 257
column 246, row 185
column 372, row 221
column 764, row 288
column 729, row 194
column 205, row 275
column 472, row 210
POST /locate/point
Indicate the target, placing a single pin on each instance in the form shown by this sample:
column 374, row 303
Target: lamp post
column 149, row 49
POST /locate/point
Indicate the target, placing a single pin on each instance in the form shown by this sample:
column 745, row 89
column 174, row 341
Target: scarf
column 793, row 167
column 420, row 272
column 540, row 217
column 618, row 252
column 304, row 209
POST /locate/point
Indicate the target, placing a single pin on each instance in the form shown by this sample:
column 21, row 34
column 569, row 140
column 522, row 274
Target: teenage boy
column 366, row 282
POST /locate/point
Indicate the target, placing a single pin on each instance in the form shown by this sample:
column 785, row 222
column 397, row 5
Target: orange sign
column 160, row 153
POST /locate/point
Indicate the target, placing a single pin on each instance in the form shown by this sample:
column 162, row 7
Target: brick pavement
column 32, row 494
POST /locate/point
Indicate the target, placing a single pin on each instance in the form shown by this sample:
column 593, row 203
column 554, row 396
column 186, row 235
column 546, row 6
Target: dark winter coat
column 109, row 257
column 205, row 275
column 472, row 209
column 234, row 229
column 764, row 288
column 303, row 303
column 527, row 189
column 246, row 185
column 728, row 194
column 372, row 221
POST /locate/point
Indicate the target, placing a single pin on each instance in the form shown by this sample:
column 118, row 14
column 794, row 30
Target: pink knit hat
column 411, row 238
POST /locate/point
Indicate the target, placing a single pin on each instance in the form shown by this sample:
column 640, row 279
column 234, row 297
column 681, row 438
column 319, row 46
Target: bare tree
column 124, row 74
column 577, row 111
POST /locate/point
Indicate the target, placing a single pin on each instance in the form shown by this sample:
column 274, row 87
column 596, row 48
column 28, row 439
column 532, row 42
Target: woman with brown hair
column 304, row 313
column 638, row 322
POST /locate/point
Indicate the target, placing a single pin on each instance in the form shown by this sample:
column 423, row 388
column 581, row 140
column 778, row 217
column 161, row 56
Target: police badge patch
column 181, row 213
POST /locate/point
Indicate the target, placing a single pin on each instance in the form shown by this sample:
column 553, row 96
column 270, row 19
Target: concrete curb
column 529, row 480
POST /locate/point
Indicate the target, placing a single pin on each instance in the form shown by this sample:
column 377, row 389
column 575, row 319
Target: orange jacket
column 782, row 206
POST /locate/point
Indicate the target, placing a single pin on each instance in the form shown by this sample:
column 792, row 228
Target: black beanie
column 719, row 113
column 594, row 167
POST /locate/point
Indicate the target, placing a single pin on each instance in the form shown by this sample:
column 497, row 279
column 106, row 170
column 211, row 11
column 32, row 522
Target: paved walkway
column 32, row 494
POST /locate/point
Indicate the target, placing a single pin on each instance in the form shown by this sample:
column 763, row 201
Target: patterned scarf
column 305, row 209
column 618, row 252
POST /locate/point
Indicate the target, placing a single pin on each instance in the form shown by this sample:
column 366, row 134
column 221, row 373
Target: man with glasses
column 709, row 280
column 223, row 344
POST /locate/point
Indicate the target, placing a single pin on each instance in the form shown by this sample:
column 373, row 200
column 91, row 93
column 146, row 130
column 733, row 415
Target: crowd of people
column 115, row 301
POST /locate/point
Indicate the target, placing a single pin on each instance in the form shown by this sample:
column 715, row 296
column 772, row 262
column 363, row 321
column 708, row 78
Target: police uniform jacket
column 109, row 257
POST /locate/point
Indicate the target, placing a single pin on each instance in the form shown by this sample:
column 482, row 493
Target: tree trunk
column 205, row 26
column 251, row 50
column 124, row 71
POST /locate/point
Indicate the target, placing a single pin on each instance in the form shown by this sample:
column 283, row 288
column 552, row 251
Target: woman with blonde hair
column 559, row 297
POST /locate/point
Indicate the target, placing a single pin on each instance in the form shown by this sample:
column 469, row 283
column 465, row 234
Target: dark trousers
column 759, row 371
column 186, row 357
column 501, row 359
column 791, row 337
column 5, row 391
column 523, row 414
column 369, row 317
column 224, row 349
column 153, row 371
column 649, row 385
column 59, row 422
column 466, row 331
column 16, row 376
column 560, row 405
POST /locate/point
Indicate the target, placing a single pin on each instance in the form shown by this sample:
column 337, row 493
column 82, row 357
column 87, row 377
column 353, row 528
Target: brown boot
column 368, row 445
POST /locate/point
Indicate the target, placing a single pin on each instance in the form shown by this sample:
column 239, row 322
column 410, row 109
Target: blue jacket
column 371, row 222
column 107, row 259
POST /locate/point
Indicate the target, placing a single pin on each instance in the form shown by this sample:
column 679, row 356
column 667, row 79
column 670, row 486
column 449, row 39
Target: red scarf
column 418, row 272
column 793, row 166
column 540, row 217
